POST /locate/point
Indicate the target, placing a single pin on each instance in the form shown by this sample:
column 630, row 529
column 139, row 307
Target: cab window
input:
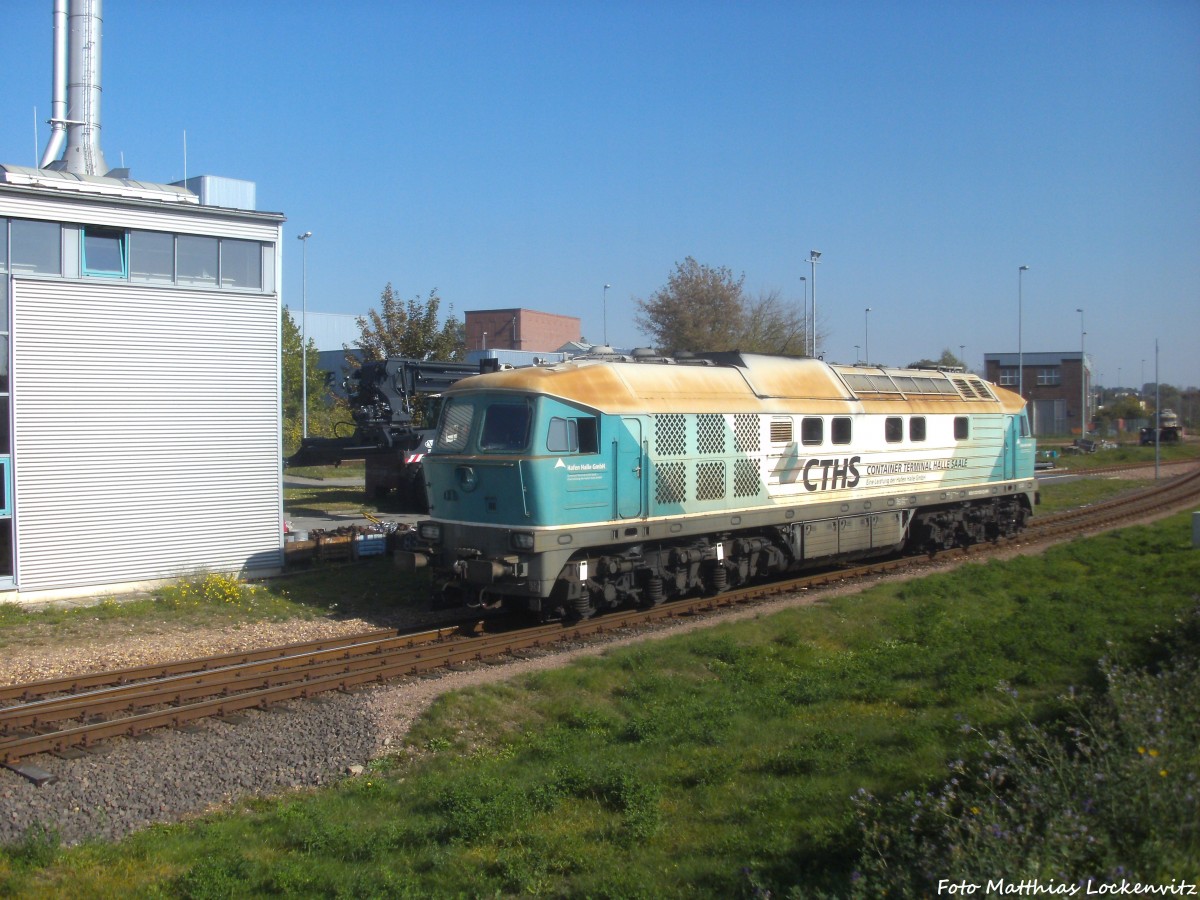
column 455, row 429
column 573, row 435
column 505, row 427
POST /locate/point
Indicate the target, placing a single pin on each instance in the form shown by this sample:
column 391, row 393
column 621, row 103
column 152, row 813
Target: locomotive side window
column 841, row 430
column 962, row 428
column 456, row 426
column 812, row 430
column 573, row 435
column 893, row 429
column 563, row 436
column 916, row 428
column 505, row 427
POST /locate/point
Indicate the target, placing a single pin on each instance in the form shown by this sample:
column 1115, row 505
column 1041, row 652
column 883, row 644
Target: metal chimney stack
column 75, row 107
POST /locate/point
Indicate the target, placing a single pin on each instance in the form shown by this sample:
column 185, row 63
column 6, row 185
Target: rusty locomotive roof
column 732, row 383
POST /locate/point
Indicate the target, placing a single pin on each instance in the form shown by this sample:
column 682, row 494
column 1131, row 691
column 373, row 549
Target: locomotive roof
column 746, row 383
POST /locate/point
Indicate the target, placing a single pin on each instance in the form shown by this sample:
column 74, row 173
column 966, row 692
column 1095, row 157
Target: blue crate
column 370, row 545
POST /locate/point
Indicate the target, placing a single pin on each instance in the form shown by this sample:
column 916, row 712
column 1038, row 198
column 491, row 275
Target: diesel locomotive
column 602, row 482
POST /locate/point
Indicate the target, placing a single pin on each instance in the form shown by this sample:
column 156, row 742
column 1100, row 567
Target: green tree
column 322, row 409
column 413, row 329
column 947, row 359
column 703, row 307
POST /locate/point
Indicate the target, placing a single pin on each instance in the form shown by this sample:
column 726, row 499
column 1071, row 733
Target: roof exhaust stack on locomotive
column 75, row 104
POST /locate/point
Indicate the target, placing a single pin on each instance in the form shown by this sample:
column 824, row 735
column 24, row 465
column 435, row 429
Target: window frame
column 893, row 429
column 917, row 429
column 808, row 424
column 837, row 425
column 90, row 270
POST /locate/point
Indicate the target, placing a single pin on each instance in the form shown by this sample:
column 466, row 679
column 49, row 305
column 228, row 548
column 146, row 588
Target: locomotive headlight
column 430, row 531
column 522, row 540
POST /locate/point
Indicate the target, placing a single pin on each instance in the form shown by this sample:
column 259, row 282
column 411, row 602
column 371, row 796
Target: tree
column 321, row 405
column 705, row 308
column 947, row 359
column 410, row 329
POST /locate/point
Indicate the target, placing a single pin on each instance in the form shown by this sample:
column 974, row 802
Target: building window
column 893, row 429
column 916, row 428
column 3, row 245
column 1009, row 376
column 196, row 260
column 962, row 428
column 841, row 430
column 812, row 430
column 152, row 256
column 241, row 264
column 1049, row 376
column 105, row 252
column 36, row 247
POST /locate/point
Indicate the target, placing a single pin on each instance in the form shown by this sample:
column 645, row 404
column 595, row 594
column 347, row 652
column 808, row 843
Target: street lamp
column 1082, row 378
column 604, row 311
column 867, row 335
column 303, row 238
column 962, row 355
column 857, row 356
column 1020, row 351
column 804, row 288
column 814, row 257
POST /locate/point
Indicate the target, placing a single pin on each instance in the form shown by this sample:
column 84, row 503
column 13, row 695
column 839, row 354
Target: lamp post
column 962, row 355
column 304, row 332
column 1082, row 378
column 604, row 311
column 857, row 355
column 867, row 335
column 804, row 288
column 1020, row 350
column 814, row 257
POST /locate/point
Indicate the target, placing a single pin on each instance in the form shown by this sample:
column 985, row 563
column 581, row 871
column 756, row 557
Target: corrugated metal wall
column 146, row 432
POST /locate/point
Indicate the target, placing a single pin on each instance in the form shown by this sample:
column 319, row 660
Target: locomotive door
column 1010, row 447
column 629, row 478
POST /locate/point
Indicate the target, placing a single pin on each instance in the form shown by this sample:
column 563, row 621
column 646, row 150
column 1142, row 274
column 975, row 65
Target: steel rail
column 280, row 676
column 178, row 689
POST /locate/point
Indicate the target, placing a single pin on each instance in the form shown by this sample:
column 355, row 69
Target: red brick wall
column 520, row 329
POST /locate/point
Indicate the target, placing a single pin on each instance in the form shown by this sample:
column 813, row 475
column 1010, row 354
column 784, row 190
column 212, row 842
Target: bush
column 1109, row 793
column 213, row 589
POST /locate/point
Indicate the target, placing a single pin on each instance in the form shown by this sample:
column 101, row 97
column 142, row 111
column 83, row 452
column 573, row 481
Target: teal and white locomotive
column 601, row 482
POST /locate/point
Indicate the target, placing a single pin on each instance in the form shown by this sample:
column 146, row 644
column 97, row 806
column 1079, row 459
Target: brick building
column 519, row 329
column 1055, row 384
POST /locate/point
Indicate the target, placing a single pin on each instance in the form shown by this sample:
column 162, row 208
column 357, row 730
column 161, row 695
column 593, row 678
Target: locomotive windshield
column 506, row 427
column 455, row 429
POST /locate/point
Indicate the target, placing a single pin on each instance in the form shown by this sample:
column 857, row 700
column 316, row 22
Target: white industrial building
column 139, row 367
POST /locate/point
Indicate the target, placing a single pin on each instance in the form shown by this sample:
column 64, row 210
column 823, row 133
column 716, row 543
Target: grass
column 721, row 763
column 1127, row 454
column 369, row 589
column 1074, row 494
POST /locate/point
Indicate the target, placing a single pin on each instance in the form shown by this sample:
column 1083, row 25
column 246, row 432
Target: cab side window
column 573, row 435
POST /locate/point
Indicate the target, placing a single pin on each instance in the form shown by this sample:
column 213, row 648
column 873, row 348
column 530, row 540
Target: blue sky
column 526, row 153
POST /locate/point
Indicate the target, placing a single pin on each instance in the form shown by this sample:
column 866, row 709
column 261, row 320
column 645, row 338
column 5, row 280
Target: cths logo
column 830, row 474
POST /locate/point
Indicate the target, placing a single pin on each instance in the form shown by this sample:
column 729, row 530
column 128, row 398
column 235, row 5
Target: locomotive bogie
column 592, row 485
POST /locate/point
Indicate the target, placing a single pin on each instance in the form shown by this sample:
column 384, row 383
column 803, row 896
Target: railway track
column 73, row 714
